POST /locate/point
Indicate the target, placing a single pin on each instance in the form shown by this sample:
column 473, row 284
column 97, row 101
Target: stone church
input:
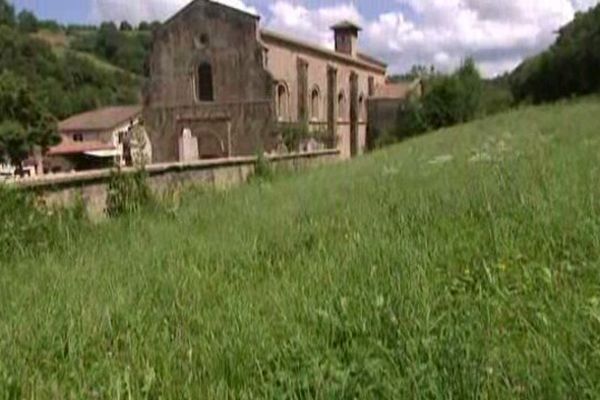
column 220, row 86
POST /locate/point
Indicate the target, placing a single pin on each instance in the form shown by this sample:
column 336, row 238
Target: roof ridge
column 373, row 63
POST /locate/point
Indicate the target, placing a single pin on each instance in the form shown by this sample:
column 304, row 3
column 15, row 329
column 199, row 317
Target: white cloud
column 148, row 10
column 310, row 24
column 498, row 33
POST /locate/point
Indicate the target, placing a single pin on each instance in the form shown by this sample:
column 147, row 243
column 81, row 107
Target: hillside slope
column 461, row 264
column 61, row 43
column 64, row 81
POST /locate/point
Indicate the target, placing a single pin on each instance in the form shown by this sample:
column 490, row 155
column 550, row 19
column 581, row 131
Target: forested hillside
column 72, row 69
column 571, row 67
column 49, row 72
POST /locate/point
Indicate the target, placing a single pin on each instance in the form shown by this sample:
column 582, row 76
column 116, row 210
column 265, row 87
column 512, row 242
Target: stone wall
column 383, row 116
column 238, row 118
column 92, row 187
column 332, row 77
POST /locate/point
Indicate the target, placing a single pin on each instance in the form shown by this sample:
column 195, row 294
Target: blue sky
column 499, row 34
column 66, row 11
column 81, row 11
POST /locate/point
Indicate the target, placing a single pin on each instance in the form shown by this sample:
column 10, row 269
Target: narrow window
column 362, row 112
column 78, row 137
column 204, row 83
column 314, row 104
column 341, row 106
column 282, row 102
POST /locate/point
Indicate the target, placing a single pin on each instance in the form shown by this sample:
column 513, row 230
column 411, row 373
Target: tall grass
column 462, row 264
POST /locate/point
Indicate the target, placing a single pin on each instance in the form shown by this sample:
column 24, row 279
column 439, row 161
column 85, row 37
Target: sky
column 499, row 34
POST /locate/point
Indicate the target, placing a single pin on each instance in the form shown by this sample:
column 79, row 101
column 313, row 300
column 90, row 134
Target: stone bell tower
column 346, row 37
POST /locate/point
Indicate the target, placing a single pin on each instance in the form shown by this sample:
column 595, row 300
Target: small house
column 103, row 138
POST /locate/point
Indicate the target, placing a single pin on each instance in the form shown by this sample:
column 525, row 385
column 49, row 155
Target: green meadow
column 463, row 264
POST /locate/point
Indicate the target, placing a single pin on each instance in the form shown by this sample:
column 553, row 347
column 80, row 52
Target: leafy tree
column 154, row 25
column 7, row 13
column 27, row 22
column 125, row 26
column 14, row 143
column 454, row 99
column 448, row 100
column 125, row 50
column 108, row 40
column 144, row 26
column 416, row 71
column 67, row 83
column 50, row 25
column 568, row 68
column 24, row 123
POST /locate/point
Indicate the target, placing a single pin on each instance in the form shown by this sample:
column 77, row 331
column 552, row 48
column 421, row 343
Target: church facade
column 220, row 86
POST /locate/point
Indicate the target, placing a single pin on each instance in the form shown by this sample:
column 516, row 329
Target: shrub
column 29, row 227
column 386, row 138
column 411, row 120
column 449, row 100
column 496, row 98
column 128, row 193
column 263, row 170
column 293, row 134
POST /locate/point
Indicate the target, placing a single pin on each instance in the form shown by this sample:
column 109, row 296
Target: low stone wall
column 91, row 187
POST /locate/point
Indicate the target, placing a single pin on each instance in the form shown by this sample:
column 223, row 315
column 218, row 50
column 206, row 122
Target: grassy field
column 462, row 264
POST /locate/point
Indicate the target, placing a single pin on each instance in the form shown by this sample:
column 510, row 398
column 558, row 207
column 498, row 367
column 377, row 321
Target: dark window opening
column 78, row 137
column 204, row 83
column 341, row 106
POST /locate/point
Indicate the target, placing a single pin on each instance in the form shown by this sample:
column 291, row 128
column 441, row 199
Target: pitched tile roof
column 101, row 119
column 400, row 90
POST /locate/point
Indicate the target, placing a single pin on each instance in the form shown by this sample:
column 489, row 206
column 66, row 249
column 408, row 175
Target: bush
column 448, row 100
column 29, row 227
column 263, row 170
column 496, row 98
column 293, row 134
column 454, row 99
column 28, row 23
column 128, row 193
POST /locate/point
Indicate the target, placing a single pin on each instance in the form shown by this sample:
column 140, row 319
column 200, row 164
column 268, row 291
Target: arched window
column 282, row 102
column 315, row 104
column 204, row 83
column 341, row 106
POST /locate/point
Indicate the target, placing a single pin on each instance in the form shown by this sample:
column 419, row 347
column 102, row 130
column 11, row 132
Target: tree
column 28, row 23
column 24, row 123
column 7, row 13
column 108, row 40
column 568, row 68
column 154, row 25
column 144, row 26
column 14, row 143
column 125, row 26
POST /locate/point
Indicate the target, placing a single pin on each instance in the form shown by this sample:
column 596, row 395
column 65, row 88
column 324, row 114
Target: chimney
column 346, row 37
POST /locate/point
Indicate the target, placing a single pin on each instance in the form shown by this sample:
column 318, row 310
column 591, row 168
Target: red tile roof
column 100, row 120
column 399, row 90
column 79, row 148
